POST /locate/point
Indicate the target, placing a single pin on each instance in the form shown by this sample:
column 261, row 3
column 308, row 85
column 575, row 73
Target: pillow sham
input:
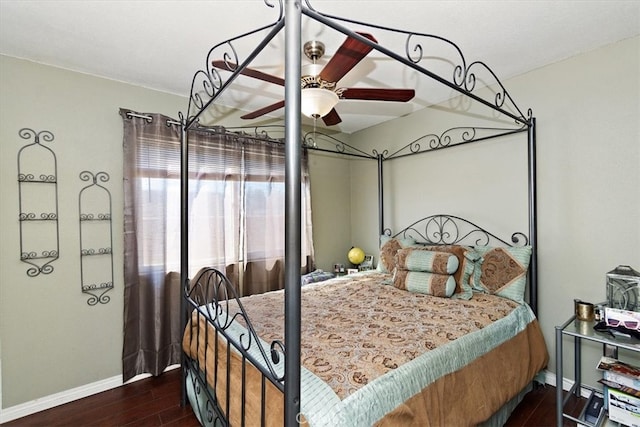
column 438, row 285
column 388, row 248
column 502, row 271
column 466, row 262
column 420, row 259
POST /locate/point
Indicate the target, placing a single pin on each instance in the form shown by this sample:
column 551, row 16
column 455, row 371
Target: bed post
column 184, row 247
column 533, row 236
column 292, row 292
column 380, row 198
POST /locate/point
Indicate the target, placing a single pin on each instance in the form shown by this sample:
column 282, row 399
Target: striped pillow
column 439, row 285
column 466, row 258
column 421, row 259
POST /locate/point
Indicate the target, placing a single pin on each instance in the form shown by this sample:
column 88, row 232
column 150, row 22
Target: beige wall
column 588, row 146
column 589, row 175
column 52, row 339
column 330, row 177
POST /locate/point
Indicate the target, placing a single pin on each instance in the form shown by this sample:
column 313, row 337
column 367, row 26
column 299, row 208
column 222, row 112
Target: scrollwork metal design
column 38, row 202
column 101, row 251
column 205, row 404
column 320, row 141
column 443, row 229
column 95, row 228
column 207, row 82
column 449, row 138
column 44, row 216
column 99, row 217
column 42, row 255
column 519, row 239
column 26, row 133
column 213, row 296
column 31, row 178
column 101, row 298
column 34, row 271
column 98, row 286
column 463, row 78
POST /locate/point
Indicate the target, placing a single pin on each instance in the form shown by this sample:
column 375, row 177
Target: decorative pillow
column 420, row 259
column 388, row 248
column 466, row 260
column 502, row 271
column 316, row 276
column 438, row 285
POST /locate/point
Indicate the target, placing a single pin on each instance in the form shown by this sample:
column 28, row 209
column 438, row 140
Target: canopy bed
column 357, row 350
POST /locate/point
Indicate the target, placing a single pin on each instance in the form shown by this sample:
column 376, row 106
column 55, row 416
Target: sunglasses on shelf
column 629, row 324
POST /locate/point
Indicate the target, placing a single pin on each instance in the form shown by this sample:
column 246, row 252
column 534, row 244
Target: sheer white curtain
column 237, row 188
column 236, row 224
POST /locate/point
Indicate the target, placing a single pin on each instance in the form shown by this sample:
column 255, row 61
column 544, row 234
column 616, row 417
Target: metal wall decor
column 38, row 203
column 96, row 238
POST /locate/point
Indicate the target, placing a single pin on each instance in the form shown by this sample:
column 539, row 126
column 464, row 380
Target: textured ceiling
column 160, row 44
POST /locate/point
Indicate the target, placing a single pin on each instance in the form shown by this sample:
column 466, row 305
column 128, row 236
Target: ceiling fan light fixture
column 317, row 102
column 311, row 70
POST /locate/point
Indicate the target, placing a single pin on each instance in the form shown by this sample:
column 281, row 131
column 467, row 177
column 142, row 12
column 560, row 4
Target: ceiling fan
column 320, row 93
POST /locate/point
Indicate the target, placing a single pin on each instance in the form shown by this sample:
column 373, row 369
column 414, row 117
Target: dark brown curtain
column 236, row 224
column 152, row 284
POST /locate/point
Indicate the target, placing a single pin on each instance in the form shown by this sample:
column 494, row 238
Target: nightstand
column 583, row 330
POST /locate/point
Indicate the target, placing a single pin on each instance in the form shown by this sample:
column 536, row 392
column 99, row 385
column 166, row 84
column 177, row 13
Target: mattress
column 373, row 354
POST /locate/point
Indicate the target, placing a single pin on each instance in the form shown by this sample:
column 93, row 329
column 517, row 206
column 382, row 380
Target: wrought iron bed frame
column 213, row 288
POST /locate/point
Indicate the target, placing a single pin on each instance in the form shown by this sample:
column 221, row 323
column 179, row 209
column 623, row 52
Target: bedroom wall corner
column 588, row 136
column 52, row 340
column 331, row 208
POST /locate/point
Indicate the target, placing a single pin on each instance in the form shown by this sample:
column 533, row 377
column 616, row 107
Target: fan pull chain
column 315, row 136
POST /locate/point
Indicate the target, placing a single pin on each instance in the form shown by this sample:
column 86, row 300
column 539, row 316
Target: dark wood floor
column 148, row 402
column 156, row 402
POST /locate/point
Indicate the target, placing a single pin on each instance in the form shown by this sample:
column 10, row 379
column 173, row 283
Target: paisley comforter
column 374, row 354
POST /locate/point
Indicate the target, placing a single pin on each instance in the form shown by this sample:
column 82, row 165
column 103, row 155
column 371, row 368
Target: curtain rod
column 216, row 130
column 149, row 118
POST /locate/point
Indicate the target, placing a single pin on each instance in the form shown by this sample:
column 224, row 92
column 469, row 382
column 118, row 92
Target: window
column 236, row 203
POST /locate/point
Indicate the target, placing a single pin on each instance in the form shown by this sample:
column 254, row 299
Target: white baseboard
column 550, row 378
column 67, row 396
column 48, row 402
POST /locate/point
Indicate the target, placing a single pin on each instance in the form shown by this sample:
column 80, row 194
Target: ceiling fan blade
column 331, row 118
column 376, row 94
column 346, row 57
column 249, row 72
column 264, row 110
